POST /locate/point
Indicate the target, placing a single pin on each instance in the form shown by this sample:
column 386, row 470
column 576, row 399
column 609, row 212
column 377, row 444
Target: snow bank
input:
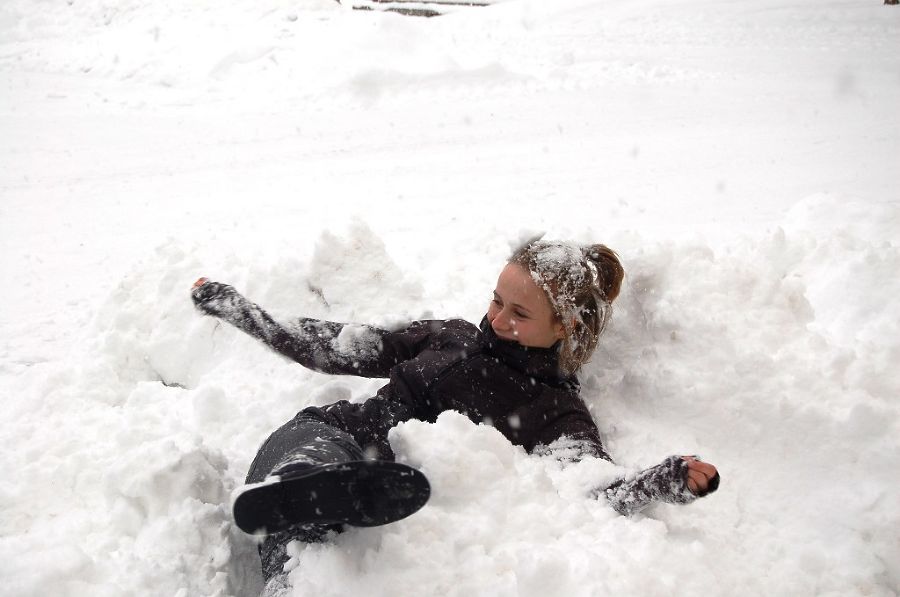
column 495, row 524
column 716, row 352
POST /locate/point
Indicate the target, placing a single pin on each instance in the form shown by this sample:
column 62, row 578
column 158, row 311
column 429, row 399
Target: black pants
column 307, row 435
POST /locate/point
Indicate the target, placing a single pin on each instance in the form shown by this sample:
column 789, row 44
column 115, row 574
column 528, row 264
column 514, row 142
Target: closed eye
column 518, row 312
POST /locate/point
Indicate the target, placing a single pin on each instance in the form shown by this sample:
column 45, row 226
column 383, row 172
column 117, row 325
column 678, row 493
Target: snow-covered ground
column 741, row 157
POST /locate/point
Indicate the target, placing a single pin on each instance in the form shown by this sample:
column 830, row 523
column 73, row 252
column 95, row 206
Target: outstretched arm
column 323, row 346
column 676, row 480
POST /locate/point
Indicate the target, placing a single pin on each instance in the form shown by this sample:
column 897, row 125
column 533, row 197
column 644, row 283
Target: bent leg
column 379, row 493
column 306, row 438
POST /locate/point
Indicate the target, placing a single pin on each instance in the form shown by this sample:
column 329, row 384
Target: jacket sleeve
column 325, row 346
column 665, row 482
column 574, row 437
column 571, row 437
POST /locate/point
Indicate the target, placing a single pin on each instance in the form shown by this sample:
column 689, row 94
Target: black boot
column 361, row 493
column 318, row 478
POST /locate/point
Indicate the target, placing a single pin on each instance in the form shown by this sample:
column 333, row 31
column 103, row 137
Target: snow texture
column 367, row 167
column 565, row 262
column 360, row 341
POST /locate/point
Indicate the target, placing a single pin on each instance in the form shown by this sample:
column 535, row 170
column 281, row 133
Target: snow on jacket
column 433, row 366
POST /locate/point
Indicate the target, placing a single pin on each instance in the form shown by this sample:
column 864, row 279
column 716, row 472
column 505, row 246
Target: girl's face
column 521, row 311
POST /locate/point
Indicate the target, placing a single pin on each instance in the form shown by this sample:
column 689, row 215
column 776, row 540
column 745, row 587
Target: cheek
column 492, row 311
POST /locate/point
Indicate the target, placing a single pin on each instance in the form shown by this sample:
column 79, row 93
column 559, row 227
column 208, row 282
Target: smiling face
column 521, row 311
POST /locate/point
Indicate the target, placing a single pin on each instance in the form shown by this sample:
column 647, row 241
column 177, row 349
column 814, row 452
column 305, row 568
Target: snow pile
column 495, row 524
column 375, row 169
column 744, row 388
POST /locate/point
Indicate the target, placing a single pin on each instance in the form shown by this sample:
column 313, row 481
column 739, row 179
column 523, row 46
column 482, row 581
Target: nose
column 502, row 321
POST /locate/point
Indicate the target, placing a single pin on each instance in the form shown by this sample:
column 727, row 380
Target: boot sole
column 361, row 493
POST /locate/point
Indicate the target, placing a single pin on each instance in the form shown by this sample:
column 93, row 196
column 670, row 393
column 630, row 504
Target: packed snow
column 373, row 168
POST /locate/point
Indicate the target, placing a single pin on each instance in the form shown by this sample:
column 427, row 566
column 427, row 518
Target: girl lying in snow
column 516, row 371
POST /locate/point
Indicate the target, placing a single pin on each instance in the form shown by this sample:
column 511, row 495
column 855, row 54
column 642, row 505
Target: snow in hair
column 581, row 283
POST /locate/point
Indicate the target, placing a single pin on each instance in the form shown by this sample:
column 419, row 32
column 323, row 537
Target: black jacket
column 435, row 366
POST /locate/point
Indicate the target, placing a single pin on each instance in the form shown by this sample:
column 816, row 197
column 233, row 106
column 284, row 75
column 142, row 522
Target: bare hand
column 702, row 477
column 200, row 282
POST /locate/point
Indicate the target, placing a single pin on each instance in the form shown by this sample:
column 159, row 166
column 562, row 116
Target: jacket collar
column 540, row 363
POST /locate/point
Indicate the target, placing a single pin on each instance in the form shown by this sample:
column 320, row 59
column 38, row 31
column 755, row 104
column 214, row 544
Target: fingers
column 692, row 484
column 200, row 282
column 696, row 481
column 702, row 477
column 703, row 467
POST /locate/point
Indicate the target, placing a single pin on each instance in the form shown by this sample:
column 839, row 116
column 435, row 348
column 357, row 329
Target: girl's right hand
column 213, row 298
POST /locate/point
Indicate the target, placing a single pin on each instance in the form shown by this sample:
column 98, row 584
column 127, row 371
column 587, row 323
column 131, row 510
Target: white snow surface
column 741, row 157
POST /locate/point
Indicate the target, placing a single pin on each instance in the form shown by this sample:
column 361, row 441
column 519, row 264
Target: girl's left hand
column 702, row 477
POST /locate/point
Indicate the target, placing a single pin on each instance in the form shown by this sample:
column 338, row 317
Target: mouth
column 507, row 338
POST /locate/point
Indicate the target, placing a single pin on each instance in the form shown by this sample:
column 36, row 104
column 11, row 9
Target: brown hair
column 581, row 283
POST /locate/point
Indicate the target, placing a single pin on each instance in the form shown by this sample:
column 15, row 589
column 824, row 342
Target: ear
column 559, row 331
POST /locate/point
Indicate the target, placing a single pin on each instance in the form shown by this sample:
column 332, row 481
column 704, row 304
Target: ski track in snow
column 363, row 167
